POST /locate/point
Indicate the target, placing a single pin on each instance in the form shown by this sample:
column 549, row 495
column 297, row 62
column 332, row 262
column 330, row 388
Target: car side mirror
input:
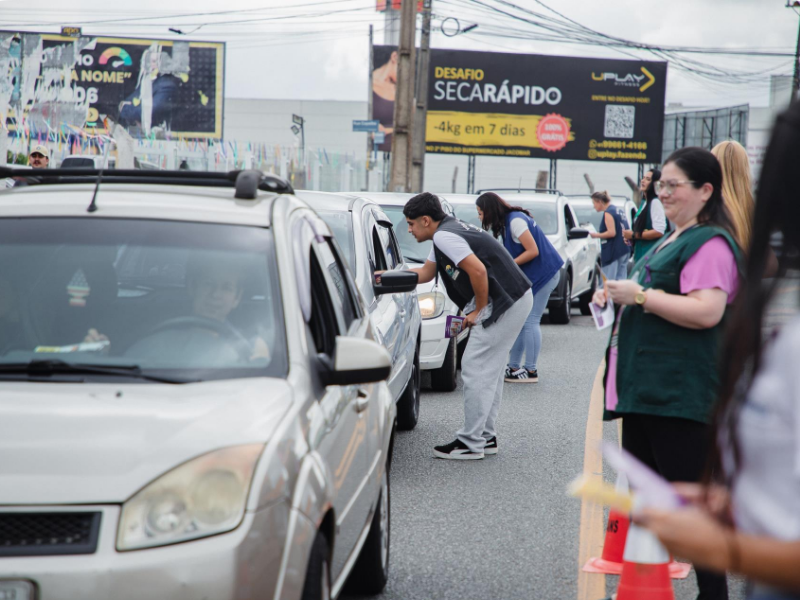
column 396, row 282
column 357, row 361
column 576, row 233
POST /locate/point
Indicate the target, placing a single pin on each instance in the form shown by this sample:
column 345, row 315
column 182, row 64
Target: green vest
column 642, row 247
column 664, row 369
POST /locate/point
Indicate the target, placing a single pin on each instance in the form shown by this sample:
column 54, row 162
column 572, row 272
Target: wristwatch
column 640, row 298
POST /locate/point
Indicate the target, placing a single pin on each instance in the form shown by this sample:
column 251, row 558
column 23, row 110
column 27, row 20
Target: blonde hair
column 736, row 189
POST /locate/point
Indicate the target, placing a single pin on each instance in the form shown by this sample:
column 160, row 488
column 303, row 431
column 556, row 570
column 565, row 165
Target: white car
column 193, row 397
column 581, row 254
column 90, row 161
column 367, row 237
column 589, row 217
column 438, row 354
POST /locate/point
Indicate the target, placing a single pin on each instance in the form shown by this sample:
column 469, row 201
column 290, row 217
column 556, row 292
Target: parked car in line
column 588, row 217
column 225, row 431
column 438, row 354
column 554, row 214
column 367, row 236
column 91, row 161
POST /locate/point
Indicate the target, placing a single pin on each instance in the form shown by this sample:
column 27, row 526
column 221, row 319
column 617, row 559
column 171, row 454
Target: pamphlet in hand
column 453, row 326
column 652, row 490
column 603, row 315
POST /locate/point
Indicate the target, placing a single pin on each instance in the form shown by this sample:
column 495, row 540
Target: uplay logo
column 629, row 79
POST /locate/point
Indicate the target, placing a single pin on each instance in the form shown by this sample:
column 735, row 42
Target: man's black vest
column 507, row 282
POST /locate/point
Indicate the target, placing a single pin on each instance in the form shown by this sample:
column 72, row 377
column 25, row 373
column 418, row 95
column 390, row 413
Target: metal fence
column 705, row 128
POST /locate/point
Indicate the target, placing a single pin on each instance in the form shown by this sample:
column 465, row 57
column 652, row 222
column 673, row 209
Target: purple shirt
column 713, row 266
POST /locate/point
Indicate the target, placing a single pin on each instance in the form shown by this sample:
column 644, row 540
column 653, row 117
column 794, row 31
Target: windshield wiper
column 55, row 366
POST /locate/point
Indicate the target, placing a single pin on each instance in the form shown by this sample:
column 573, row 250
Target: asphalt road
column 501, row 528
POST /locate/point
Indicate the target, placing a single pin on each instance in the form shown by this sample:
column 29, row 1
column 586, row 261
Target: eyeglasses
column 37, row 155
column 668, row 187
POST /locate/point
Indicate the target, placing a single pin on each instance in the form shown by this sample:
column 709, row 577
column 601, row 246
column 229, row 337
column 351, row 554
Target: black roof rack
column 537, row 190
column 246, row 185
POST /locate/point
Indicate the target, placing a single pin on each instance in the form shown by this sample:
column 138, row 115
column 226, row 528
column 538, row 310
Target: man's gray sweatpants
column 483, row 371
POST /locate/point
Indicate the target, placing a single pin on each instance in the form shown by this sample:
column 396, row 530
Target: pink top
column 713, row 266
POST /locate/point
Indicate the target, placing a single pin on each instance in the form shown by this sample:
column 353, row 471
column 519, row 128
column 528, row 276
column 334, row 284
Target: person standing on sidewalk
column 539, row 260
column 614, row 252
column 661, row 363
column 650, row 223
column 493, row 292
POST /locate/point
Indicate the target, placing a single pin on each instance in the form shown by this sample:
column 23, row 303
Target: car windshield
column 544, row 213
column 587, row 214
column 187, row 301
column 341, row 225
column 78, row 163
column 410, row 248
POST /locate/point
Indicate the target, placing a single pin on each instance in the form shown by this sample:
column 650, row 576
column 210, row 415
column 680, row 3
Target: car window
column 588, row 215
column 336, row 277
column 468, row 213
column 341, row 224
column 78, row 163
column 186, row 300
column 569, row 220
column 545, row 214
column 324, row 322
column 410, row 248
column 387, row 247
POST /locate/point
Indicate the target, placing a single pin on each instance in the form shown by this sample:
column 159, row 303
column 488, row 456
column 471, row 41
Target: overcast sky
column 318, row 49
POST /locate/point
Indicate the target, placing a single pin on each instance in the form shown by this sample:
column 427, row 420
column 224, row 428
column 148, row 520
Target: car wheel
column 561, row 314
column 586, row 298
column 462, row 347
column 318, row 574
column 371, row 571
column 443, row 379
column 408, row 405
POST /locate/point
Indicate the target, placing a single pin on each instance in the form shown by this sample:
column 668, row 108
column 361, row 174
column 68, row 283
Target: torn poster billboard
column 52, row 85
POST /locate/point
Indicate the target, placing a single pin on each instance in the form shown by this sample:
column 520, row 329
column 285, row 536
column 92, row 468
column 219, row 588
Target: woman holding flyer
column 748, row 520
column 541, row 263
column 661, row 361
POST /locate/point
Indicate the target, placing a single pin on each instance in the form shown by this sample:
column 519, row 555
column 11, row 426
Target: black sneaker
column 508, row 372
column 533, row 376
column 522, row 375
column 456, row 450
column 491, row 446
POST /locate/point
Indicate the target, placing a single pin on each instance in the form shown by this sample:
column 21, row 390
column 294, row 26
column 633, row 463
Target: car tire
column 462, row 347
column 586, row 298
column 408, row 405
column 371, row 571
column 318, row 573
column 560, row 314
column 443, row 379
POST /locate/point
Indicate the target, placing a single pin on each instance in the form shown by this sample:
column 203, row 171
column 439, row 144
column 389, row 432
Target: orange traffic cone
column 610, row 563
column 645, row 568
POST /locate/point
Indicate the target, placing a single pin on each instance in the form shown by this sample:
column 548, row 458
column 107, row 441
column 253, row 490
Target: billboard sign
column 494, row 104
column 151, row 87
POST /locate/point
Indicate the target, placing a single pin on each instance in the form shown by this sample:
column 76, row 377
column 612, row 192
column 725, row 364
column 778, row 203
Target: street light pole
column 421, row 116
column 404, row 100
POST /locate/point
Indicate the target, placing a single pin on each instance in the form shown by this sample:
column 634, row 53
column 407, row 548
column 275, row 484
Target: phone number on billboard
column 614, row 145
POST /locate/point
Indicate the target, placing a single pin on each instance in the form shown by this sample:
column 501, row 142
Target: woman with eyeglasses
column 661, row 363
column 649, row 224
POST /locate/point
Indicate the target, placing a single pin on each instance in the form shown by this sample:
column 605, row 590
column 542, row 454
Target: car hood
column 99, row 443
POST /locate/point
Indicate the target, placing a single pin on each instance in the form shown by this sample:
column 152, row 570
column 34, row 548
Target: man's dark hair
column 424, row 205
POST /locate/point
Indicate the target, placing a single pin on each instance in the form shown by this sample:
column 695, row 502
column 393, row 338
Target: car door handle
column 362, row 400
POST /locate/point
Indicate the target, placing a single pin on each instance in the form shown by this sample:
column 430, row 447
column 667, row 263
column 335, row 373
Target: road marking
column 592, row 532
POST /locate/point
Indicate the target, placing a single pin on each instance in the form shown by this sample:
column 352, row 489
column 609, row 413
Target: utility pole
column 404, row 100
column 421, row 116
column 796, row 79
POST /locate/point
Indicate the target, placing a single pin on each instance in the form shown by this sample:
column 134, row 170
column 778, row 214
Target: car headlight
column 202, row 497
column 431, row 304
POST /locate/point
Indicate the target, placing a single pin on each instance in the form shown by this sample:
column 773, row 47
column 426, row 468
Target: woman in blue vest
column 539, row 260
column 614, row 252
column 661, row 363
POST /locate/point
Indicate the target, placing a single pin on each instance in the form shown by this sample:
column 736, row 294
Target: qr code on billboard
column 619, row 121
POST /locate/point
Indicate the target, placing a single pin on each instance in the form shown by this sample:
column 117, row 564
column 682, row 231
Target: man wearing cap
column 39, row 157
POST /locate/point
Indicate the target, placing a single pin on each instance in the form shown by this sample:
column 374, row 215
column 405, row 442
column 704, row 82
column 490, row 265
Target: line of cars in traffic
column 202, row 380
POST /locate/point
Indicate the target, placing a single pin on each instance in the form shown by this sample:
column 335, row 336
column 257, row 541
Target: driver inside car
column 215, row 287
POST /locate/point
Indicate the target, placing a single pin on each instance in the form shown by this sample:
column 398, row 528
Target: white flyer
column 603, row 315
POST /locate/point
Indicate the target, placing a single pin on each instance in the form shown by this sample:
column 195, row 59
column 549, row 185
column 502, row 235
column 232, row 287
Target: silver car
column 367, row 236
column 194, row 403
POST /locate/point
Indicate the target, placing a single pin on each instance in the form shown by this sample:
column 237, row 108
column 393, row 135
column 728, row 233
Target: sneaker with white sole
column 522, row 375
column 456, row 450
column 491, row 446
